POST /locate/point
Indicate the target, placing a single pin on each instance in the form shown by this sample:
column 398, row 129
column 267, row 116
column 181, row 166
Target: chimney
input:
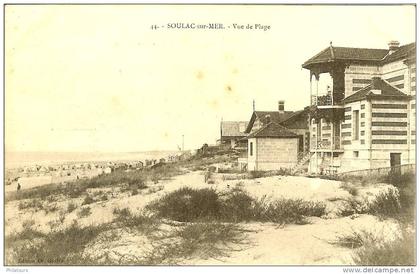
column 281, row 106
column 376, row 85
column 376, row 82
column 393, row 46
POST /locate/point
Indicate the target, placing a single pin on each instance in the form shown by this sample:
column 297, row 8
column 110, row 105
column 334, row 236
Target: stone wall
column 273, row 153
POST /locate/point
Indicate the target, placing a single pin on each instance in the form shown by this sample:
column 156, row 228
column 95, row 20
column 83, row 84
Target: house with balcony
column 365, row 117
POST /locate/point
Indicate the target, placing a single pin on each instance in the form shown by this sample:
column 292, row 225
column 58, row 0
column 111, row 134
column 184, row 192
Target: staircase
column 303, row 159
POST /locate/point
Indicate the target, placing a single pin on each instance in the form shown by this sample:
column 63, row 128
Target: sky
column 99, row 78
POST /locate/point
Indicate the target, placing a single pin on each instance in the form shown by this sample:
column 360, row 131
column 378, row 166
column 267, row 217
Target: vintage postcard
column 210, row 134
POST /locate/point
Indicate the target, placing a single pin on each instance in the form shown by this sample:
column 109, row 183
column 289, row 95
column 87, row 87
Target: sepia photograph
column 199, row 134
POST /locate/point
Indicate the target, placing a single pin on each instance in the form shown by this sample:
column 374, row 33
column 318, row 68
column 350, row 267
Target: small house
column 233, row 133
column 272, row 147
column 294, row 121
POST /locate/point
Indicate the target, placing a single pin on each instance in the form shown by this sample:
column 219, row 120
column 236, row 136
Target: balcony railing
column 326, row 144
column 324, row 100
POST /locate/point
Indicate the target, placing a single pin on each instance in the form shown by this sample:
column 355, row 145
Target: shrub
column 134, row 185
column 356, row 239
column 349, row 188
column 257, row 174
column 155, row 178
column 54, row 224
column 35, row 204
column 28, row 224
column 56, row 248
column 187, row 205
column 62, row 217
column 51, row 198
column 386, row 204
column 207, row 176
column 398, row 252
column 51, row 208
column 141, row 221
column 134, row 192
column 71, row 207
column 237, row 206
column 283, row 172
column 406, row 185
column 287, row 210
column 155, row 189
column 84, row 212
column 88, row 200
column 205, row 240
column 121, row 213
column 400, row 204
column 28, row 233
column 260, row 173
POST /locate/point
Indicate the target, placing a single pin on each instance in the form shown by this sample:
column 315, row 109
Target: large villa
column 364, row 119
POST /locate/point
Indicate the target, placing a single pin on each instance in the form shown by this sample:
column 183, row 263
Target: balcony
column 325, row 102
column 325, row 145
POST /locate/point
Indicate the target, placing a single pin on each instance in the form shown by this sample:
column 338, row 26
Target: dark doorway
column 395, row 159
column 300, row 147
column 396, row 163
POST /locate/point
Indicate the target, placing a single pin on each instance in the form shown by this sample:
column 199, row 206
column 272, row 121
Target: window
column 355, row 154
column 355, row 125
column 250, row 148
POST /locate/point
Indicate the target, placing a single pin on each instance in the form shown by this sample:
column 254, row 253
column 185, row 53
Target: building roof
column 233, row 128
column 275, row 116
column 272, row 130
column 378, row 84
column 360, row 54
column 402, row 52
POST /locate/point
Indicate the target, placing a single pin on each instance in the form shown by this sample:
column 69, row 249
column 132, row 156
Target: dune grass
column 398, row 203
column 355, row 239
column 71, row 207
column 197, row 240
column 84, row 212
column 66, row 246
column 35, row 204
column 192, row 205
column 62, row 247
column 386, row 204
column 125, row 218
column 400, row 251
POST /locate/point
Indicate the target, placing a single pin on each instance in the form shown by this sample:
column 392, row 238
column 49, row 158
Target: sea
column 23, row 159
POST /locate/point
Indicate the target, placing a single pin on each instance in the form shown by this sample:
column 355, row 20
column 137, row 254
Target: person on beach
column 18, row 187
